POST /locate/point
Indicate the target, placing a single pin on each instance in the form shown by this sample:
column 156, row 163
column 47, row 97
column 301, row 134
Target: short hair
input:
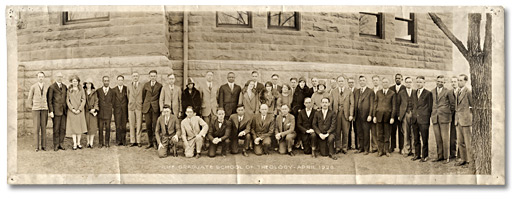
column 120, row 76
column 105, row 77
column 407, row 78
column 307, row 98
column 221, row 108
column 210, row 72
column 269, row 83
column 361, row 76
column 230, row 73
column 421, row 77
column 399, row 75
column 171, row 74
column 284, row 105
column 333, row 79
column 74, row 77
column 328, row 99
column 135, row 73
column 454, row 76
column 152, row 71
column 40, row 72
column 375, row 76
column 166, row 106
column 240, row 106
column 440, row 76
column 291, row 79
column 340, row 76
column 275, row 75
column 314, row 78
column 384, row 78
column 350, row 78
column 465, row 76
column 254, row 72
column 189, row 107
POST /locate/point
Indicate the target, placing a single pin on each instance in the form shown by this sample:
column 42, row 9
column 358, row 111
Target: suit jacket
column 37, row 99
column 135, row 97
column 422, row 107
column 174, row 128
column 402, row 102
column 251, row 104
column 385, row 106
column 364, row 103
column 173, row 98
column 346, row 100
column 209, row 98
column 324, row 125
column 223, row 132
column 394, row 88
column 287, row 127
column 443, row 106
column 259, row 87
column 463, row 113
column 244, row 125
column 304, row 122
column 151, row 96
column 229, row 99
column 57, row 99
column 278, row 88
column 106, row 103
column 262, row 129
column 191, row 127
column 192, row 100
column 92, row 101
column 121, row 102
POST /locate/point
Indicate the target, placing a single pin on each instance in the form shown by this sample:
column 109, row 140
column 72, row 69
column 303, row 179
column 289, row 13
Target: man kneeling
column 284, row 131
column 192, row 134
column 167, row 132
column 218, row 134
column 262, row 128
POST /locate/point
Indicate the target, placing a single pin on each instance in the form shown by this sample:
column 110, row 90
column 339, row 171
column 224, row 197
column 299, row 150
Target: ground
column 135, row 160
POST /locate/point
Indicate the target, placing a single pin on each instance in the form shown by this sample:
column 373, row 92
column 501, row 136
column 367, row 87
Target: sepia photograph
column 370, row 95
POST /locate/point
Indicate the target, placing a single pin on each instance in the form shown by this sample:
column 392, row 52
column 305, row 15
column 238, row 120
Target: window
column 234, row 19
column 84, row 17
column 371, row 24
column 405, row 28
column 283, row 20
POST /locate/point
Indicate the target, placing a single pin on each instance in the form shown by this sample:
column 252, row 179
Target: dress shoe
column 333, row 157
column 139, row 145
column 36, row 150
column 223, row 155
column 424, row 159
column 415, row 158
column 43, row 149
column 366, row 153
column 400, row 151
column 446, row 161
column 387, row 154
column 291, row 153
column 55, row 148
column 245, row 154
column 80, row 147
column 344, row 151
column 197, row 156
column 149, row 146
column 460, row 163
column 60, row 147
column 379, row 154
column 108, row 146
column 373, row 151
column 74, row 148
column 313, row 154
column 358, row 151
column 438, row 160
column 100, row 146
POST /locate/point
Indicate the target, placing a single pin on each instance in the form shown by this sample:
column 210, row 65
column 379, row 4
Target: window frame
column 249, row 21
column 380, row 25
column 297, row 22
column 412, row 20
column 65, row 19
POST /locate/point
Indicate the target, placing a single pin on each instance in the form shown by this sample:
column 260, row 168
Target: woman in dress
column 285, row 98
column 91, row 111
column 249, row 99
column 268, row 97
column 76, row 124
column 191, row 97
column 318, row 95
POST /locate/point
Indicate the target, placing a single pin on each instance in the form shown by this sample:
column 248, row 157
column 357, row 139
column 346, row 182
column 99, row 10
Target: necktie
column 135, row 85
column 219, row 124
column 384, row 92
column 419, row 93
column 105, row 90
column 341, row 92
column 283, row 123
column 210, row 86
column 59, row 85
column 460, row 92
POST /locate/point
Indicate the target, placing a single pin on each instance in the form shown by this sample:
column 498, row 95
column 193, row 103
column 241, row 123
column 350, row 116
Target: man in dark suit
column 464, row 121
column 364, row 102
column 384, row 114
column 106, row 104
column 241, row 130
column 405, row 109
column 276, row 86
column 284, row 131
column 218, row 133
column 167, row 132
column 257, row 85
column 343, row 105
column 442, row 108
column 422, row 110
column 376, row 81
column 151, row 94
column 120, row 110
column 304, row 126
column 228, row 95
column 262, row 128
column 397, row 126
column 453, row 129
column 324, row 124
column 56, row 100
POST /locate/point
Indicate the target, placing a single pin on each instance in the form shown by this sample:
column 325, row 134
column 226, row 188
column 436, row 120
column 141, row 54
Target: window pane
column 368, row 24
column 86, row 15
column 284, row 19
column 402, row 30
column 238, row 17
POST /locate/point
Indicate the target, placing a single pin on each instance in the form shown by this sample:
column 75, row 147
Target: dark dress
column 192, row 99
column 92, row 103
column 298, row 98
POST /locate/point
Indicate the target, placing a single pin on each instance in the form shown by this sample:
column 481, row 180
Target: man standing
column 56, row 97
column 229, row 94
column 241, row 130
column 463, row 121
column 151, row 94
column 442, row 108
column 397, row 126
column 384, row 113
column 363, row 113
column 405, row 105
column 258, row 86
column 453, row 129
column 304, row 124
column 353, row 127
column 208, row 92
column 106, row 97
column 373, row 127
column 262, row 128
column 171, row 95
column 276, row 86
column 120, row 110
column 294, row 83
column 314, row 82
column 167, row 133
column 192, row 134
column 343, row 105
column 218, row 134
column 284, row 131
column 333, row 85
column 324, row 124
column 135, row 106
column 37, row 101
column 422, row 110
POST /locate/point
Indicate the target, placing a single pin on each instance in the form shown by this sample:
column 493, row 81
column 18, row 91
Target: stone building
column 292, row 44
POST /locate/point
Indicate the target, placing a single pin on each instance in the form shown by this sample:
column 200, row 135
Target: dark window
column 371, row 24
column 283, row 20
column 84, row 17
column 234, row 19
column 405, row 28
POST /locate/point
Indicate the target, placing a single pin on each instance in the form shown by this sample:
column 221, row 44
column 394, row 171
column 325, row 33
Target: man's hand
column 391, row 120
column 242, row 133
column 198, row 136
column 323, row 136
column 51, row 114
column 369, row 119
column 160, row 146
column 278, row 136
column 375, row 120
column 350, row 118
column 92, row 111
column 180, row 114
column 215, row 141
column 257, row 141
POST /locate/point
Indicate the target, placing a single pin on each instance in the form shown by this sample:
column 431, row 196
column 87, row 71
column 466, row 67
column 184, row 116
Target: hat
column 190, row 81
column 89, row 80
column 301, row 79
column 322, row 82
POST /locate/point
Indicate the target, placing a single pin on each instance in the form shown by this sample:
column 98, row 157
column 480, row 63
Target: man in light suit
column 442, row 108
column 373, row 127
column 324, row 124
column 171, row 95
column 208, row 92
column 192, row 135
column 342, row 104
column 151, row 93
column 364, row 104
column 241, row 130
column 397, row 126
column 384, row 114
column 262, row 128
column 57, row 104
column 135, row 107
column 284, row 131
column 120, row 110
column 353, row 128
column 258, row 86
column 167, row 133
column 218, row 133
column 229, row 94
column 422, row 109
column 405, row 109
column 464, row 121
